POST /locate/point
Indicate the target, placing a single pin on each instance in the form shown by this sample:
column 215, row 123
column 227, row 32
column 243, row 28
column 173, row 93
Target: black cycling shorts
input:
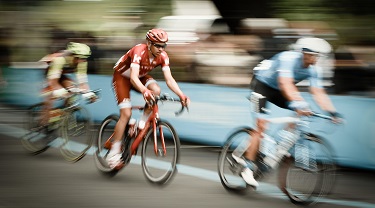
column 273, row 95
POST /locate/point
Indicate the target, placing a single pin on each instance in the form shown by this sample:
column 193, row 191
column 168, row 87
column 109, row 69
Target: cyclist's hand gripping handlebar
column 166, row 97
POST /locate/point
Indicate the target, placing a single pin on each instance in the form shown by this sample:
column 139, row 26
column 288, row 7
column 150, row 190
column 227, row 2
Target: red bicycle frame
column 152, row 119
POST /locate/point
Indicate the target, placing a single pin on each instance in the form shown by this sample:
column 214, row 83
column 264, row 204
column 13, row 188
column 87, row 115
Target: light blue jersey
column 287, row 64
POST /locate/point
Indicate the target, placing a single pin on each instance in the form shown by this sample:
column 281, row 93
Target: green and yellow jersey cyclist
column 61, row 66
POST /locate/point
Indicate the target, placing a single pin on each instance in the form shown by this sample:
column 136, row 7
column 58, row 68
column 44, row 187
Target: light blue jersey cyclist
column 275, row 79
column 287, row 64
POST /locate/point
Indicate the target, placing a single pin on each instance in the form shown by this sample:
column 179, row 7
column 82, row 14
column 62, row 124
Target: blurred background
column 211, row 41
column 213, row 47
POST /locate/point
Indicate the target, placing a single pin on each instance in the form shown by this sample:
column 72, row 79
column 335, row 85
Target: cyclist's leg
column 67, row 83
column 48, row 97
column 47, row 105
column 260, row 124
column 121, row 88
column 152, row 85
column 260, row 127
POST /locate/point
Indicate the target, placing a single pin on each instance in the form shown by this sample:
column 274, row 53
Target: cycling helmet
column 157, row 35
column 313, row 45
column 79, row 50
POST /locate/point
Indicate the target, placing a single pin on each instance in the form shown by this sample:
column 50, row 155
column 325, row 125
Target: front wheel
column 310, row 173
column 76, row 132
column 159, row 167
column 229, row 170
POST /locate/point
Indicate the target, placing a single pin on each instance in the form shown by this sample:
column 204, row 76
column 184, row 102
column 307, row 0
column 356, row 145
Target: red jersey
column 138, row 56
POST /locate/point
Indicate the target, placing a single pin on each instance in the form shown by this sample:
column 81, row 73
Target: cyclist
column 131, row 72
column 60, row 64
column 275, row 79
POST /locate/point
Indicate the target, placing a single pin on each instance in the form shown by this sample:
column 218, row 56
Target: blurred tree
column 235, row 10
column 154, row 10
column 353, row 20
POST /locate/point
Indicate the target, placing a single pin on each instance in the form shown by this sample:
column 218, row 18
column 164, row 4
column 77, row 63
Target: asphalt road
column 47, row 180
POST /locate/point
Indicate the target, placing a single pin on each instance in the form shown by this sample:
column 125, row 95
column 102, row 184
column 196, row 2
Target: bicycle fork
column 156, row 149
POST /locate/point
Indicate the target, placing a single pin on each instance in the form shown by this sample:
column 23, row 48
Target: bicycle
column 160, row 149
column 69, row 122
column 306, row 167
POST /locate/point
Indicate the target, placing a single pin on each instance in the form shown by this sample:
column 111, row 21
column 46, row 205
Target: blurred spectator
column 59, row 39
column 352, row 74
column 5, row 53
column 94, row 59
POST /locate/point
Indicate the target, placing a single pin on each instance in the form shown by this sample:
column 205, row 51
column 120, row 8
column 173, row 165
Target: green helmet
column 79, row 50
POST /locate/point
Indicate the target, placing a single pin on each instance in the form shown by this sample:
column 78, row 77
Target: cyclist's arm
column 317, row 91
column 285, row 78
column 289, row 89
column 321, row 98
column 134, row 78
column 82, row 76
column 54, row 73
column 171, row 82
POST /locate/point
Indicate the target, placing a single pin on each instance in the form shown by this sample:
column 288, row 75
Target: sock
column 116, row 148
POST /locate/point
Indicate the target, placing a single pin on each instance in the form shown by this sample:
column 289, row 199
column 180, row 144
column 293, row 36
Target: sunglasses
column 159, row 46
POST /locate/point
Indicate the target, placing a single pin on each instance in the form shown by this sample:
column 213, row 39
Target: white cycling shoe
column 247, row 173
column 114, row 160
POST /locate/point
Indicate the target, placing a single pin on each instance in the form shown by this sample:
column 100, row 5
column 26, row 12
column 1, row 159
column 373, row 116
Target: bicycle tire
column 320, row 172
column 36, row 140
column 228, row 170
column 105, row 131
column 160, row 168
column 76, row 132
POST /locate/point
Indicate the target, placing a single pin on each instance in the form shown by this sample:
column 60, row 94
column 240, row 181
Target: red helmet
column 157, row 35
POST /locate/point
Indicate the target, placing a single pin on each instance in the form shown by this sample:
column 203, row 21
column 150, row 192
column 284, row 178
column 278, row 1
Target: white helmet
column 313, row 45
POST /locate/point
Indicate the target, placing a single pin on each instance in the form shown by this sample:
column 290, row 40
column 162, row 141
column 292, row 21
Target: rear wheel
column 310, row 174
column 37, row 138
column 76, row 132
column 229, row 170
column 159, row 167
column 105, row 133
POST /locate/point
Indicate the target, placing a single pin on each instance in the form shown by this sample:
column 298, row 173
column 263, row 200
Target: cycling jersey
column 138, row 57
column 287, row 64
column 62, row 63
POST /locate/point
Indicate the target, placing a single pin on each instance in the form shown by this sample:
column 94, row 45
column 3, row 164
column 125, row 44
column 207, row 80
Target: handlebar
column 77, row 91
column 166, row 97
column 319, row 115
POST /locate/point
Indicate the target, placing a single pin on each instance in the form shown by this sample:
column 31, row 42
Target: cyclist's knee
column 125, row 113
column 155, row 88
column 261, row 125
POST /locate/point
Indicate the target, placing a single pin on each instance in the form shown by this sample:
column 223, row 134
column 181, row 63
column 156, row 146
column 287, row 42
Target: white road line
column 264, row 188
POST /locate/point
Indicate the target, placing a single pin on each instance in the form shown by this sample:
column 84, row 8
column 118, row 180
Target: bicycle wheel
column 37, row 139
column 76, row 132
column 229, row 170
column 106, row 131
column 310, row 174
column 160, row 167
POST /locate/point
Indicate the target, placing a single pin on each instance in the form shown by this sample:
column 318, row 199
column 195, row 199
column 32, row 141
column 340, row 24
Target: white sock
column 116, row 148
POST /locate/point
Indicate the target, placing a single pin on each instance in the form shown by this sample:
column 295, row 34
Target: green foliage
column 352, row 20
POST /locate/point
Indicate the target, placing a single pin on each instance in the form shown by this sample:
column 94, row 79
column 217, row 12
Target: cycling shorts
column 121, row 86
column 272, row 95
